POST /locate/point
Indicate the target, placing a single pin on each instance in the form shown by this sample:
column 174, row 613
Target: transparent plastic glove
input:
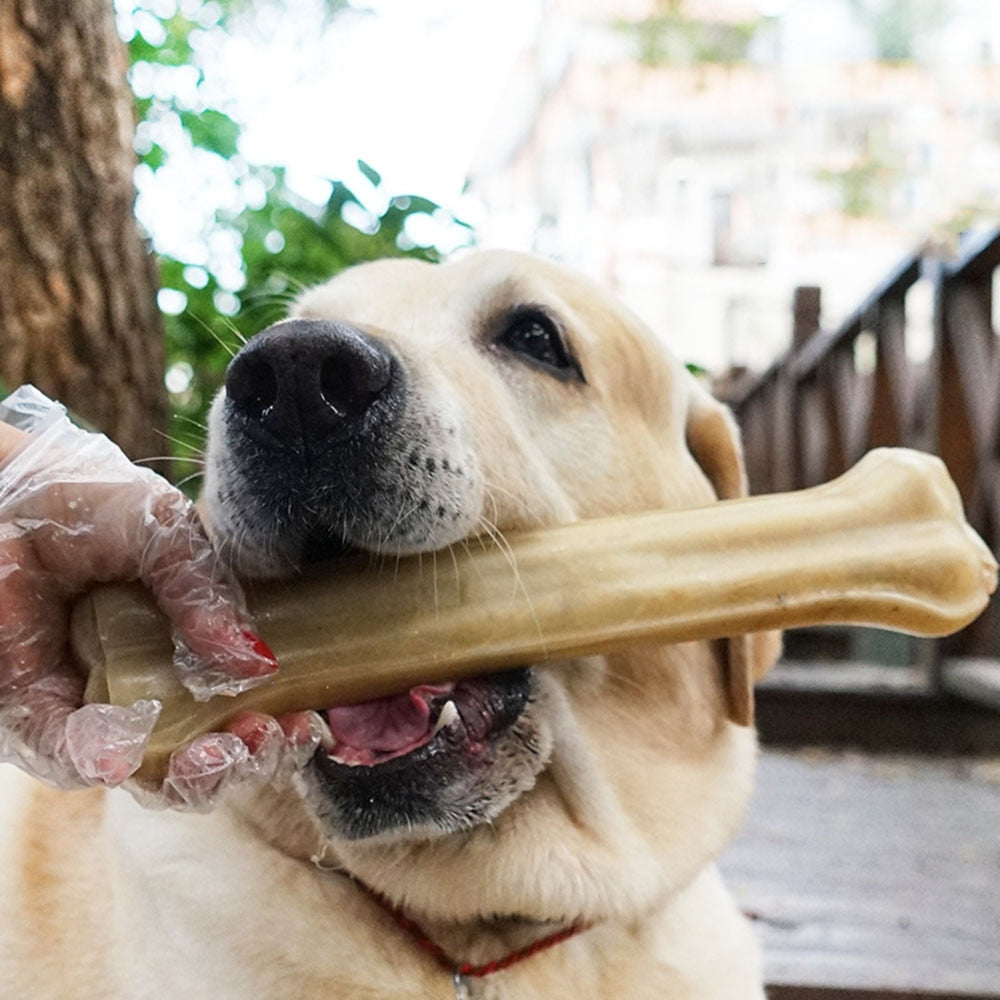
column 254, row 750
column 73, row 512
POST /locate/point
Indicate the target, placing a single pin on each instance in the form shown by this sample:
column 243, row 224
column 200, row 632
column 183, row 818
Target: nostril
column 350, row 380
column 252, row 385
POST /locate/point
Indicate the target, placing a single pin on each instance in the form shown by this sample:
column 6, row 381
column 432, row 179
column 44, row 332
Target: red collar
column 466, row 969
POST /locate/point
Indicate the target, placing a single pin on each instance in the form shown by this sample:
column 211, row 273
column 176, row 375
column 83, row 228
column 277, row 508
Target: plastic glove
column 73, row 512
column 254, row 750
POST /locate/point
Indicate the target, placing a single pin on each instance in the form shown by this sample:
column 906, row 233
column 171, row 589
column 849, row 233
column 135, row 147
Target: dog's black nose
column 308, row 379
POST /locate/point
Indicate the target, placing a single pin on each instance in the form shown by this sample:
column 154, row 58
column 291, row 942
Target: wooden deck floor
column 873, row 876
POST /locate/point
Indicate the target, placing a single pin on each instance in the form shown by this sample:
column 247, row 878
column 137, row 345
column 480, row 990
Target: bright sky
column 408, row 89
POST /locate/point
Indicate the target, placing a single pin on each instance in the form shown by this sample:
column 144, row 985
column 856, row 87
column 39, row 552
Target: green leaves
column 899, row 26
column 669, row 36
column 212, row 130
column 370, row 173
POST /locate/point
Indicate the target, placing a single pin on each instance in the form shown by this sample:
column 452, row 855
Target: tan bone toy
column 886, row 544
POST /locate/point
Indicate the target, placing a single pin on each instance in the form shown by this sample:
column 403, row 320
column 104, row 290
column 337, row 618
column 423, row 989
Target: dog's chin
column 433, row 761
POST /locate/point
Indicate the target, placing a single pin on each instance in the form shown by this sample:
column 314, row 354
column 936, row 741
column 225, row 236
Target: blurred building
column 704, row 158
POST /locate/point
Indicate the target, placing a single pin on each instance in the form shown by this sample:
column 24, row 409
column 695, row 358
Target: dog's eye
column 534, row 336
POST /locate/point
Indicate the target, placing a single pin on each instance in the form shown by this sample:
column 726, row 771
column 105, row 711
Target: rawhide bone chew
column 885, row 545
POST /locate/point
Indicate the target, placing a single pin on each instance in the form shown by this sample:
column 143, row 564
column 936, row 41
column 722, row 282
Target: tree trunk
column 78, row 315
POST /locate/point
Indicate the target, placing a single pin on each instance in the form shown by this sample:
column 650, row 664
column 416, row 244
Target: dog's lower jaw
column 465, row 775
column 598, row 866
column 596, row 871
column 692, row 945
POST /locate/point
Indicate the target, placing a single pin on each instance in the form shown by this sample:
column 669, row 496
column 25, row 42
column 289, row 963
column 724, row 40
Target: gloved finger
column 304, row 732
column 254, row 750
column 142, row 528
column 33, row 730
column 105, row 743
column 211, row 767
column 216, row 650
column 300, row 734
column 32, row 636
column 147, row 530
column 46, row 734
column 42, row 728
column 37, row 691
column 201, row 772
column 11, row 439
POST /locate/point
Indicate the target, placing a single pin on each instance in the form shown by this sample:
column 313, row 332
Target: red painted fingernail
column 260, row 647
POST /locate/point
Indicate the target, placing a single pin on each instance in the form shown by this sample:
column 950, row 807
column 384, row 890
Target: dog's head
column 409, row 406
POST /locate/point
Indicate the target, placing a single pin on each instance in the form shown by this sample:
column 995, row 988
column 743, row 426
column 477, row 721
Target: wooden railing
column 838, row 393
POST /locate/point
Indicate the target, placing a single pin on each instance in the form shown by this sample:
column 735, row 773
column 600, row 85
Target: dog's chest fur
column 219, row 914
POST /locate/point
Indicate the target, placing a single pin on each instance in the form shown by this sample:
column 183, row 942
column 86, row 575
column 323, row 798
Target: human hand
column 74, row 512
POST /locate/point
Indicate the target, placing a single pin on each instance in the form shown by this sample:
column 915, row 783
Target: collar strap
column 466, row 969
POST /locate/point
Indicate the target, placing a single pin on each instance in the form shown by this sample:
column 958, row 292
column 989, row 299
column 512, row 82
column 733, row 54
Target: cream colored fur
column 647, row 776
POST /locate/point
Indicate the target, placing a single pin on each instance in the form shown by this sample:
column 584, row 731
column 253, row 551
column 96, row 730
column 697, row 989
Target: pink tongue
column 386, row 725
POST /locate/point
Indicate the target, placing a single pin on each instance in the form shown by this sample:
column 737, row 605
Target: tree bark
column 78, row 315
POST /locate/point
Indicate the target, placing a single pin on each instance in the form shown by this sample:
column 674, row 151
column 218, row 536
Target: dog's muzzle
column 325, row 441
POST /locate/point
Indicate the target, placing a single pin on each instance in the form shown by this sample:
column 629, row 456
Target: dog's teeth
column 326, row 740
column 449, row 714
column 446, row 717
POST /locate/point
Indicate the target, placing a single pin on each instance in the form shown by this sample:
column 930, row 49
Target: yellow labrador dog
column 544, row 832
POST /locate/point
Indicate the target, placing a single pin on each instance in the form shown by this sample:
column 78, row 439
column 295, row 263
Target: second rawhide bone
column 886, row 544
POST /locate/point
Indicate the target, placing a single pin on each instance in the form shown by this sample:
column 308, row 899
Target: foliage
column 266, row 243
column 671, row 37
column 898, row 26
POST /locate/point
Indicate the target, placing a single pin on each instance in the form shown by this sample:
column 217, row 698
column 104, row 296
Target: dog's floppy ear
column 714, row 440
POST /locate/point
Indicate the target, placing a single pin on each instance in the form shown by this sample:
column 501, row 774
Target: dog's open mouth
column 438, row 758
column 435, row 718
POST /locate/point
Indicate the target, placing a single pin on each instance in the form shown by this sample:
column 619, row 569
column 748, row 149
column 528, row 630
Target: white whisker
column 498, row 539
column 493, row 489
